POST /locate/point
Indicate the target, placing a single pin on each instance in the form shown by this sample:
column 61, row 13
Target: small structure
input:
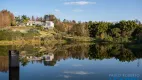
column 21, row 24
column 46, row 24
column 32, row 23
column 48, row 57
column 33, row 58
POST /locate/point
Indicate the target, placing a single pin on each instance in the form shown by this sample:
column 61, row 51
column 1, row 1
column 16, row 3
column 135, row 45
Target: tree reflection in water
column 88, row 51
column 29, row 53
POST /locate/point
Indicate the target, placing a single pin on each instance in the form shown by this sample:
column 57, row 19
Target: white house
column 47, row 24
column 31, row 23
column 49, row 57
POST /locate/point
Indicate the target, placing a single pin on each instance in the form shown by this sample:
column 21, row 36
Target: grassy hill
column 34, row 35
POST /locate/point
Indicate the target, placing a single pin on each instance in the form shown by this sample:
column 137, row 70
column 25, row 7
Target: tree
column 6, row 18
column 137, row 34
column 25, row 19
column 73, row 21
column 40, row 19
column 98, row 29
column 49, row 17
column 33, row 18
column 18, row 20
column 80, row 29
column 37, row 18
column 65, row 21
column 115, row 32
column 126, row 27
column 46, row 17
column 1, row 19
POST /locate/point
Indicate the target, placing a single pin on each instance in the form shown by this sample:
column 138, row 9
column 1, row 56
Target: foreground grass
column 20, row 42
column 38, row 42
column 31, row 42
column 31, row 35
column 78, row 39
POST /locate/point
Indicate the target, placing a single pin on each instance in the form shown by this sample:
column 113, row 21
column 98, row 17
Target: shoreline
column 19, row 42
column 31, row 42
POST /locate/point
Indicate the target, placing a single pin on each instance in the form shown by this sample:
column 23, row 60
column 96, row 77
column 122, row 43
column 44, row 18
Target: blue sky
column 80, row 10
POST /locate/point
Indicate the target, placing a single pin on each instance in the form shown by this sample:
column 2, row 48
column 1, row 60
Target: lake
column 76, row 61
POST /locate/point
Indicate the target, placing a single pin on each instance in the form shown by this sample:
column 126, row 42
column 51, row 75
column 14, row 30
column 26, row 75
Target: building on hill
column 46, row 24
column 48, row 57
column 32, row 23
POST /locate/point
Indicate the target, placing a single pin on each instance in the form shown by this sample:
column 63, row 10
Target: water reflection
column 93, row 52
column 50, row 55
column 3, row 63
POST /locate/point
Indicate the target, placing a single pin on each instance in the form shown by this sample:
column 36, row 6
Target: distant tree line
column 24, row 19
column 122, row 31
column 21, row 19
column 72, row 27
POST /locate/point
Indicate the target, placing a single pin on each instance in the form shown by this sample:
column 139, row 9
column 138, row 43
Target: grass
column 78, row 39
column 44, row 36
column 31, row 42
column 20, row 42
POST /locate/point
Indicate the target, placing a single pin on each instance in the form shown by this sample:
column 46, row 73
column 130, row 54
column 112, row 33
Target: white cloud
column 77, row 10
column 57, row 10
column 67, row 76
column 77, row 72
column 79, row 3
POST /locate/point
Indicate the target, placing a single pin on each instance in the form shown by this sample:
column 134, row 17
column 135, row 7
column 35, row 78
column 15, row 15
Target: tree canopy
column 6, row 18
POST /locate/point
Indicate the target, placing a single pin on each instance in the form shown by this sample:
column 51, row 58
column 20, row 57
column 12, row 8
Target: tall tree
column 40, row 19
column 49, row 17
column 33, row 18
column 25, row 19
column 37, row 18
column 6, row 18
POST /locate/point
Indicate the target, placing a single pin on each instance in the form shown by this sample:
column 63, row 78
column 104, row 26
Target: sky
column 79, row 10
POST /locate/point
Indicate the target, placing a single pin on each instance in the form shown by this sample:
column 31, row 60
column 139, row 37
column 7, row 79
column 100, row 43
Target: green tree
column 137, row 34
column 115, row 32
column 126, row 27
column 80, row 29
column 99, row 29
column 25, row 19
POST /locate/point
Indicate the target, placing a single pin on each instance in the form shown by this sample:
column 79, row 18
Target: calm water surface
column 74, row 62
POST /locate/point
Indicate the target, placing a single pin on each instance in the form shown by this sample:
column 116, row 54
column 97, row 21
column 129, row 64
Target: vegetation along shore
column 25, row 30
